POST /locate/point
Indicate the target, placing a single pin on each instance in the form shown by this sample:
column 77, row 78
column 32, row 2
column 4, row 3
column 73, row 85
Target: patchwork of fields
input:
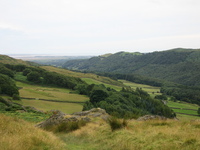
column 53, row 98
column 37, row 96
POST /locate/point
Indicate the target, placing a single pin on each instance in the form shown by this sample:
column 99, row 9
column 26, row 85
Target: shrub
column 116, row 124
column 67, row 126
column 16, row 97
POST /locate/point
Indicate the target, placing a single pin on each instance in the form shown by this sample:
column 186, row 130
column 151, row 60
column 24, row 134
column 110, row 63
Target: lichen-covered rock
column 55, row 119
column 59, row 117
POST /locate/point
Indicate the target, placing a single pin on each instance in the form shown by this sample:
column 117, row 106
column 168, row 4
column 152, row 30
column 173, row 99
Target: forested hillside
column 178, row 65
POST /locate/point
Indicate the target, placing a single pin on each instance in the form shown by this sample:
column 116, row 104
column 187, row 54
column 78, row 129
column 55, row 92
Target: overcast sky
column 95, row 27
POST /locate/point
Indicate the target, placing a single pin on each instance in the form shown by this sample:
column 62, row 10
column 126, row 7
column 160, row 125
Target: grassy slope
column 17, row 134
column 9, row 60
column 143, row 135
column 93, row 81
column 82, row 75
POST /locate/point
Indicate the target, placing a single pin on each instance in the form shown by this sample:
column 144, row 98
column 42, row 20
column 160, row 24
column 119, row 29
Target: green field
column 183, row 106
column 47, row 106
column 37, row 92
column 93, row 81
column 152, row 90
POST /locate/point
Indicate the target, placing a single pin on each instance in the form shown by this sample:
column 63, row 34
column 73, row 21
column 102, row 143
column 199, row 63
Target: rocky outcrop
column 59, row 117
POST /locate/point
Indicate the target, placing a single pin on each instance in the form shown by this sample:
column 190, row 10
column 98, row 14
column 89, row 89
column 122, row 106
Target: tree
column 161, row 97
column 7, row 85
column 26, row 71
column 6, row 71
column 33, row 77
column 98, row 95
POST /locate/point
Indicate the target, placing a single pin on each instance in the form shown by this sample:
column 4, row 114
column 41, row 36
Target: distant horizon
column 75, row 55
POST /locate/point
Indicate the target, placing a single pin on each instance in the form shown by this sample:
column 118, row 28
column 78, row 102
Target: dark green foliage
column 34, row 77
column 2, row 107
column 41, row 76
column 7, row 85
column 7, row 103
column 17, row 68
column 161, row 97
column 16, row 97
column 87, row 106
column 14, row 107
column 198, row 111
column 177, row 65
column 183, row 93
column 98, row 95
column 4, row 104
column 61, row 80
column 26, row 71
column 126, row 103
column 6, row 71
column 82, row 89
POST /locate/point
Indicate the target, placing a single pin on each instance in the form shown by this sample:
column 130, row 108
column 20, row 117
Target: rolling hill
column 12, row 61
column 177, row 65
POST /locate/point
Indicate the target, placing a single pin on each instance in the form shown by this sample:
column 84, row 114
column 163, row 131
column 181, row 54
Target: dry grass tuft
column 17, row 134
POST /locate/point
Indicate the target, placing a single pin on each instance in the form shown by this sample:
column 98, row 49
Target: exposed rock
column 151, row 117
column 59, row 117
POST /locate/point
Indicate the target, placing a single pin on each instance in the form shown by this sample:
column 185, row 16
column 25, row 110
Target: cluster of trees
column 183, row 93
column 7, row 84
column 41, row 76
column 126, row 103
column 176, row 91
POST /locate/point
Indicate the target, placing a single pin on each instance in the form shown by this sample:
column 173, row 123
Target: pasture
column 183, row 108
column 33, row 95
column 93, row 81
column 151, row 90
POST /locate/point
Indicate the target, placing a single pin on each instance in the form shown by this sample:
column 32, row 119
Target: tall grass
column 154, row 135
column 17, row 134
